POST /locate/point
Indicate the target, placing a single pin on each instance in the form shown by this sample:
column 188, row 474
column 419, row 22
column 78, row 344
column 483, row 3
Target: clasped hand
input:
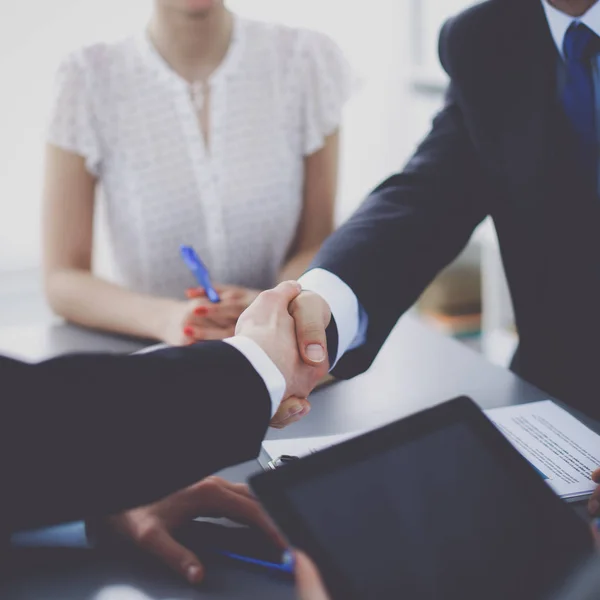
column 276, row 321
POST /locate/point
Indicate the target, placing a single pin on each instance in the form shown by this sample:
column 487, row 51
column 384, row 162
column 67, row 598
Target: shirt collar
column 559, row 22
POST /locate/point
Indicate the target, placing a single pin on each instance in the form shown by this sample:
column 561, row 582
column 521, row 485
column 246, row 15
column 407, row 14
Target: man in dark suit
column 517, row 140
column 89, row 435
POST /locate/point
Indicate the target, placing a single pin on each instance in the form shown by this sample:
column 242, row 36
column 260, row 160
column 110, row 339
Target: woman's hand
column 197, row 319
column 189, row 321
column 151, row 527
column 234, row 300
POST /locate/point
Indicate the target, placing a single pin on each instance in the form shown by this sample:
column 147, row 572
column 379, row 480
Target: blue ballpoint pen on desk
column 199, row 271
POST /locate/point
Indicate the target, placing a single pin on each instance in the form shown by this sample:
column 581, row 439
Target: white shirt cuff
column 342, row 303
column 265, row 367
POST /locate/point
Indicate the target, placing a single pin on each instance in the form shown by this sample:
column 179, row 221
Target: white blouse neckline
column 227, row 67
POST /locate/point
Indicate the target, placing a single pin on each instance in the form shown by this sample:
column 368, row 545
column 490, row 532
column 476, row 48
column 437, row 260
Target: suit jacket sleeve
column 89, row 435
column 408, row 229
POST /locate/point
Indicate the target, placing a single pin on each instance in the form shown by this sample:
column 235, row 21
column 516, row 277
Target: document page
column 561, row 448
column 304, row 446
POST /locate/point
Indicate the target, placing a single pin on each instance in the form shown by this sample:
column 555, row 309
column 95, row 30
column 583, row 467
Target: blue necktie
column 578, row 97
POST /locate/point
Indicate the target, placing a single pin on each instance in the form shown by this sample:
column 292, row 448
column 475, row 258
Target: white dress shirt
column 559, row 22
column 276, row 96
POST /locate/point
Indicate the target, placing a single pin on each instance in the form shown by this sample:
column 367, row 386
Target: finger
column 159, row 542
column 311, row 317
column 596, row 475
column 223, row 314
column 243, row 490
column 200, row 292
column 594, row 503
column 229, row 311
column 309, row 585
column 209, row 317
column 289, row 411
column 290, row 421
column 201, row 333
column 281, row 295
column 247, row 510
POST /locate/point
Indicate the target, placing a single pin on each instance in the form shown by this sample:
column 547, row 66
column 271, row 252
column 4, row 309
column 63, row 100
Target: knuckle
column 313, row 329
column 146, row 534
column 267, row 296
column 212, row 484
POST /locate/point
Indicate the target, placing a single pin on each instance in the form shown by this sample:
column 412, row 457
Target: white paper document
column 561, row 448
column 304, row 446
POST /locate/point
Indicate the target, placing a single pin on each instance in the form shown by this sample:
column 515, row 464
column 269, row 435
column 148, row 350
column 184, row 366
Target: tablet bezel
column 270, row 487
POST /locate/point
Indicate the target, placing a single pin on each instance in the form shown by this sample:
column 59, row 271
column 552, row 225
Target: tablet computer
column 437, row 506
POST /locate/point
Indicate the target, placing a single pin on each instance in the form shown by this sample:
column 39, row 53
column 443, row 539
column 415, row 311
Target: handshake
column 289, row 325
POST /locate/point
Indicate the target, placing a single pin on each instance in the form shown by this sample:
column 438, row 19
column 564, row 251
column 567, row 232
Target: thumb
column 309, row 585
column 311, row 316
column 160, row 543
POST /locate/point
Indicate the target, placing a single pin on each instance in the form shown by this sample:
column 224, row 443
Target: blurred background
column 392, row 45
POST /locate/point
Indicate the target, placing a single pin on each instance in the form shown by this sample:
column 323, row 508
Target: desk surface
column 416, row 369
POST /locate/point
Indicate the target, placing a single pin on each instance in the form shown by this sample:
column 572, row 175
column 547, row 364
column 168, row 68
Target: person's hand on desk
column 151, row 527
column 197, row 319
column 268, row 322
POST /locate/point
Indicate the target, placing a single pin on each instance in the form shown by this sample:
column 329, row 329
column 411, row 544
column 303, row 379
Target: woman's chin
column 193, row 7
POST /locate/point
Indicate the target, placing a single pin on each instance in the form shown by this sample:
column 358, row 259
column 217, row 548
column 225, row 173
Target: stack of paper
column 563, row 450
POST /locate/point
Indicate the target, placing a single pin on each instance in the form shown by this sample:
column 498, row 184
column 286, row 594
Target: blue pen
column 199, row 271
column 286, row 565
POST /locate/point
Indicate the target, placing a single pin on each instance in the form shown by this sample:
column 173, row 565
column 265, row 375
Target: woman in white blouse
column 209, row 130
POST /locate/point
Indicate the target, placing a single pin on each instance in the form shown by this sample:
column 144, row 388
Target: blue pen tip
column 212, row 295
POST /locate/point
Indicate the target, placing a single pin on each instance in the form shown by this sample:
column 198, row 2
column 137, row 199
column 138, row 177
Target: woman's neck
column 194, row 46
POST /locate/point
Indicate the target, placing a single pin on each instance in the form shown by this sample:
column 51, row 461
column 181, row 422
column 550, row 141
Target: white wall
column 382, row 122
column 34, row 35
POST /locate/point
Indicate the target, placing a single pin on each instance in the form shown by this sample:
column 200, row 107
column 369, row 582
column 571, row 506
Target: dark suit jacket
column 501, row 147
column 88, row 435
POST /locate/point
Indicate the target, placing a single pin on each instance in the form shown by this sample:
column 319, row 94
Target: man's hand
column 594, row 503
column 311, row 316
column 269, row 323
column 309, row 585
column 151, row 527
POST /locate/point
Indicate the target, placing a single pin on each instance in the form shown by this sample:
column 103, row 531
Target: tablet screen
column 437, row 517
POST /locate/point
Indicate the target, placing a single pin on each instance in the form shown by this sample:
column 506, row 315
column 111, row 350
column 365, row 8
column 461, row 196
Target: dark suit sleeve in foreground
column 89, row 435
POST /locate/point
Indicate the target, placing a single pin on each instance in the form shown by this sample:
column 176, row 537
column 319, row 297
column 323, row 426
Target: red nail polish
column 201, row 311
column 188, row 331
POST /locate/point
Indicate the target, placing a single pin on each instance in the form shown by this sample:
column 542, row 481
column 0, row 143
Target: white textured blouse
column 276, row 96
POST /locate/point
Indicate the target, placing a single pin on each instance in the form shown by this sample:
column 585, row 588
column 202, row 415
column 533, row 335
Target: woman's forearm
column 82, row 298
